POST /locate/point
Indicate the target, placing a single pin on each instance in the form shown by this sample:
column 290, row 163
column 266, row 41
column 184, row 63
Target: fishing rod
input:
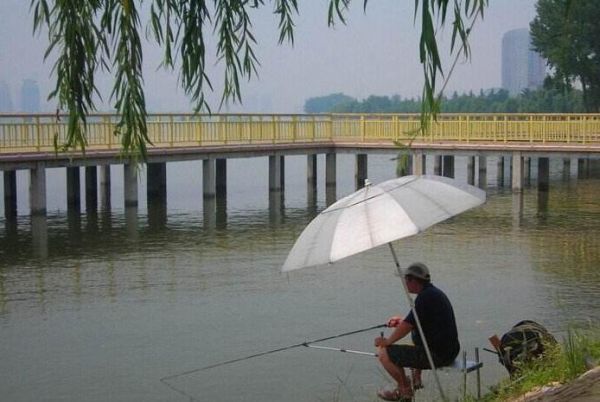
column 307, row 344
column 356, row 352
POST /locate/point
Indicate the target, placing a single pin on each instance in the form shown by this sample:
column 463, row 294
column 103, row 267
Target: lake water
column 106, row 305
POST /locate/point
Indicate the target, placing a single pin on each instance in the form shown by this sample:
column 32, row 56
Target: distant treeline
column 491, row 101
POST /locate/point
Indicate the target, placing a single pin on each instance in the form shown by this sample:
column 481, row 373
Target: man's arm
column 402, row 329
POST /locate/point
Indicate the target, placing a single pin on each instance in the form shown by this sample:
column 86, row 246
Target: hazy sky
column 375, row 53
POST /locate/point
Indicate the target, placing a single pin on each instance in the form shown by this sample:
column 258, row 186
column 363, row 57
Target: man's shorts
column 408, row 356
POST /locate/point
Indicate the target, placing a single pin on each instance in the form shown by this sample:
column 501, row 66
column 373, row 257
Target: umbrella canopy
column 379, row 214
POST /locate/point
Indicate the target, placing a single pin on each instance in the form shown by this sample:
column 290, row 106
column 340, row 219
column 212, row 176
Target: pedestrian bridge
column 20, row 133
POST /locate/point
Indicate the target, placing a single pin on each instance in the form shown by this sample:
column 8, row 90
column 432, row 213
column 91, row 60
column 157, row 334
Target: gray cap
column 418, row 270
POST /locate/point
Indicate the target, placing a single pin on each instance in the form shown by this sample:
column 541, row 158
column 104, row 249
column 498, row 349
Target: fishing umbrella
column 377, row 215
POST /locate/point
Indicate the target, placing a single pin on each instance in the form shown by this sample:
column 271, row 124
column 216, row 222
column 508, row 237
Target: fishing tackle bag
column 525, row 341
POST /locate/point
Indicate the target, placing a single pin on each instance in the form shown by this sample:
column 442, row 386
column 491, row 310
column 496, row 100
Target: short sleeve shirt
column 439, row 325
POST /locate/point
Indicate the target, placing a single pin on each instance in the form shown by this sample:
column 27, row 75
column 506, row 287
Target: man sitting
column 439, row 327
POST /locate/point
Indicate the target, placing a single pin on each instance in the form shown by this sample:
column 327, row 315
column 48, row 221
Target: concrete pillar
column 527, row 170
column 311, row 179
column 130, row 187
column 275, row 173
column 360, row 171
column 37, row 190
column 156, row 178
column 105, row 187
column 543, row 174
column 209, row 179
column 482, row 180
column 418, row 163
column 221, row 178
column 91, row 188
column 517, row 208
column 582, row 169
column 517, row 172
column 471, row 170
column 330, row 170
column 500, row 172
column 10, row 194
column 448, row 166
column 282, row 172
column 73, row 189
column 437, row 165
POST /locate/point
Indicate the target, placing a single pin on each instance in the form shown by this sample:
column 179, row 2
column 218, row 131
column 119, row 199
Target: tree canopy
column 90, row 36
column 567, row 34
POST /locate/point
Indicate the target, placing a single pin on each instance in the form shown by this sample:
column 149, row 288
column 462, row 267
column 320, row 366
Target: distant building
column 522, row 67
column 30, row 97
column 6, row 104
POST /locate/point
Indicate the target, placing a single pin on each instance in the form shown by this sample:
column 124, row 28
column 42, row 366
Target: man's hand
column 394, row 321
column 380, row 341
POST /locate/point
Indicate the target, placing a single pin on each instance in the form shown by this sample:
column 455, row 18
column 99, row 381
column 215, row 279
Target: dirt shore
column 585, row 388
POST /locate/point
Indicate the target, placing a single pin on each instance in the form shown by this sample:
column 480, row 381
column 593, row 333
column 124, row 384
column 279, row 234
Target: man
column 439, row 326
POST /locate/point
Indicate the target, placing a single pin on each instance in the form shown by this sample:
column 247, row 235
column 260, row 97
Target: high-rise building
column 522, row 67
column 6, row 104
column 30, row 96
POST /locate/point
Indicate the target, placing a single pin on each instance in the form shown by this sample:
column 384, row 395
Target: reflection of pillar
column 527, row 169
column 311, row 179
column 482, row 181
column 566, row 173
column 437, row 165
column 208, row 179
column 73, row 189
column 471, row 170
column 448, row 168
column 10, row 194
column 360, row 171
column 130, row 188
column 105, row 187
column 221, row 212
column 282, row 172
column 276, row 206
column 517, row 208
column 91, row 188
column 582, row 168
column 37, row 190
column 500, row 172
column 131, row 218
column 157, row 213
column 330, row 195
column 543, row 197
column 543, row 174
column 209, row 207
column 517, row 172
column 221, row 178
column 274, row 173
column 418, row 163
column 39, row 235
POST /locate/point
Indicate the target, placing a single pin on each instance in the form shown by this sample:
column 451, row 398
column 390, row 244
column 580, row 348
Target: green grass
column 560, row 363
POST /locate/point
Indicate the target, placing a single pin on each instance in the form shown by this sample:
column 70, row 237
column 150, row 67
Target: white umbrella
column 380, row 214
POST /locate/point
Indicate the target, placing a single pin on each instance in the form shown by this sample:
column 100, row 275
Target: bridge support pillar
column 583, row 168
column 437, row 165
column 37, row 190
column 91, row 188
column 543, row 174
column 311, row 179
column 482, row 180
column 418, row 163
column 221, row 178
column 209, row 179
column 130, row 187
column 275, row 173
column 471, row 170
column 156, row 178
column 73, row 189
column 330, row 178
column 517, row 172
column 448, row 166
column 527, row 170
column 566, row 173
column 360, row 171
column 282, row 172
column 10, row 194
column 500, row 172
column 105, row 187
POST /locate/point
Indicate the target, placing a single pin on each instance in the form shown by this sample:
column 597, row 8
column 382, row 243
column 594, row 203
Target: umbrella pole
column 420, row 329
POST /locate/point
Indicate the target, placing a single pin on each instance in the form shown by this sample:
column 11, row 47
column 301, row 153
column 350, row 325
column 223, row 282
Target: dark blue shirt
column 439, row 326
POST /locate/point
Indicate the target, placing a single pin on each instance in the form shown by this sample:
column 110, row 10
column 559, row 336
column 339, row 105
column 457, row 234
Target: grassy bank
column 560, row 363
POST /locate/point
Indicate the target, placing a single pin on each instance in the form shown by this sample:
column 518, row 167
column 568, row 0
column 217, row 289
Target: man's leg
column 396, row 372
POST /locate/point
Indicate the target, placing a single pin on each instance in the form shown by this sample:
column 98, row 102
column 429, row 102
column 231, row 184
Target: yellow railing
column 39, row 133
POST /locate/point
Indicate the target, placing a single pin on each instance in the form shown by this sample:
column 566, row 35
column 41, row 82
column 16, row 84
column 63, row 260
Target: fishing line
column 307, row 343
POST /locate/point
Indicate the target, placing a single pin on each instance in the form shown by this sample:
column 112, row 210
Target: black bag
column 525, row 341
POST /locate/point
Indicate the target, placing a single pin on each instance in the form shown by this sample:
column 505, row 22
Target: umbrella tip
column 367, row 182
